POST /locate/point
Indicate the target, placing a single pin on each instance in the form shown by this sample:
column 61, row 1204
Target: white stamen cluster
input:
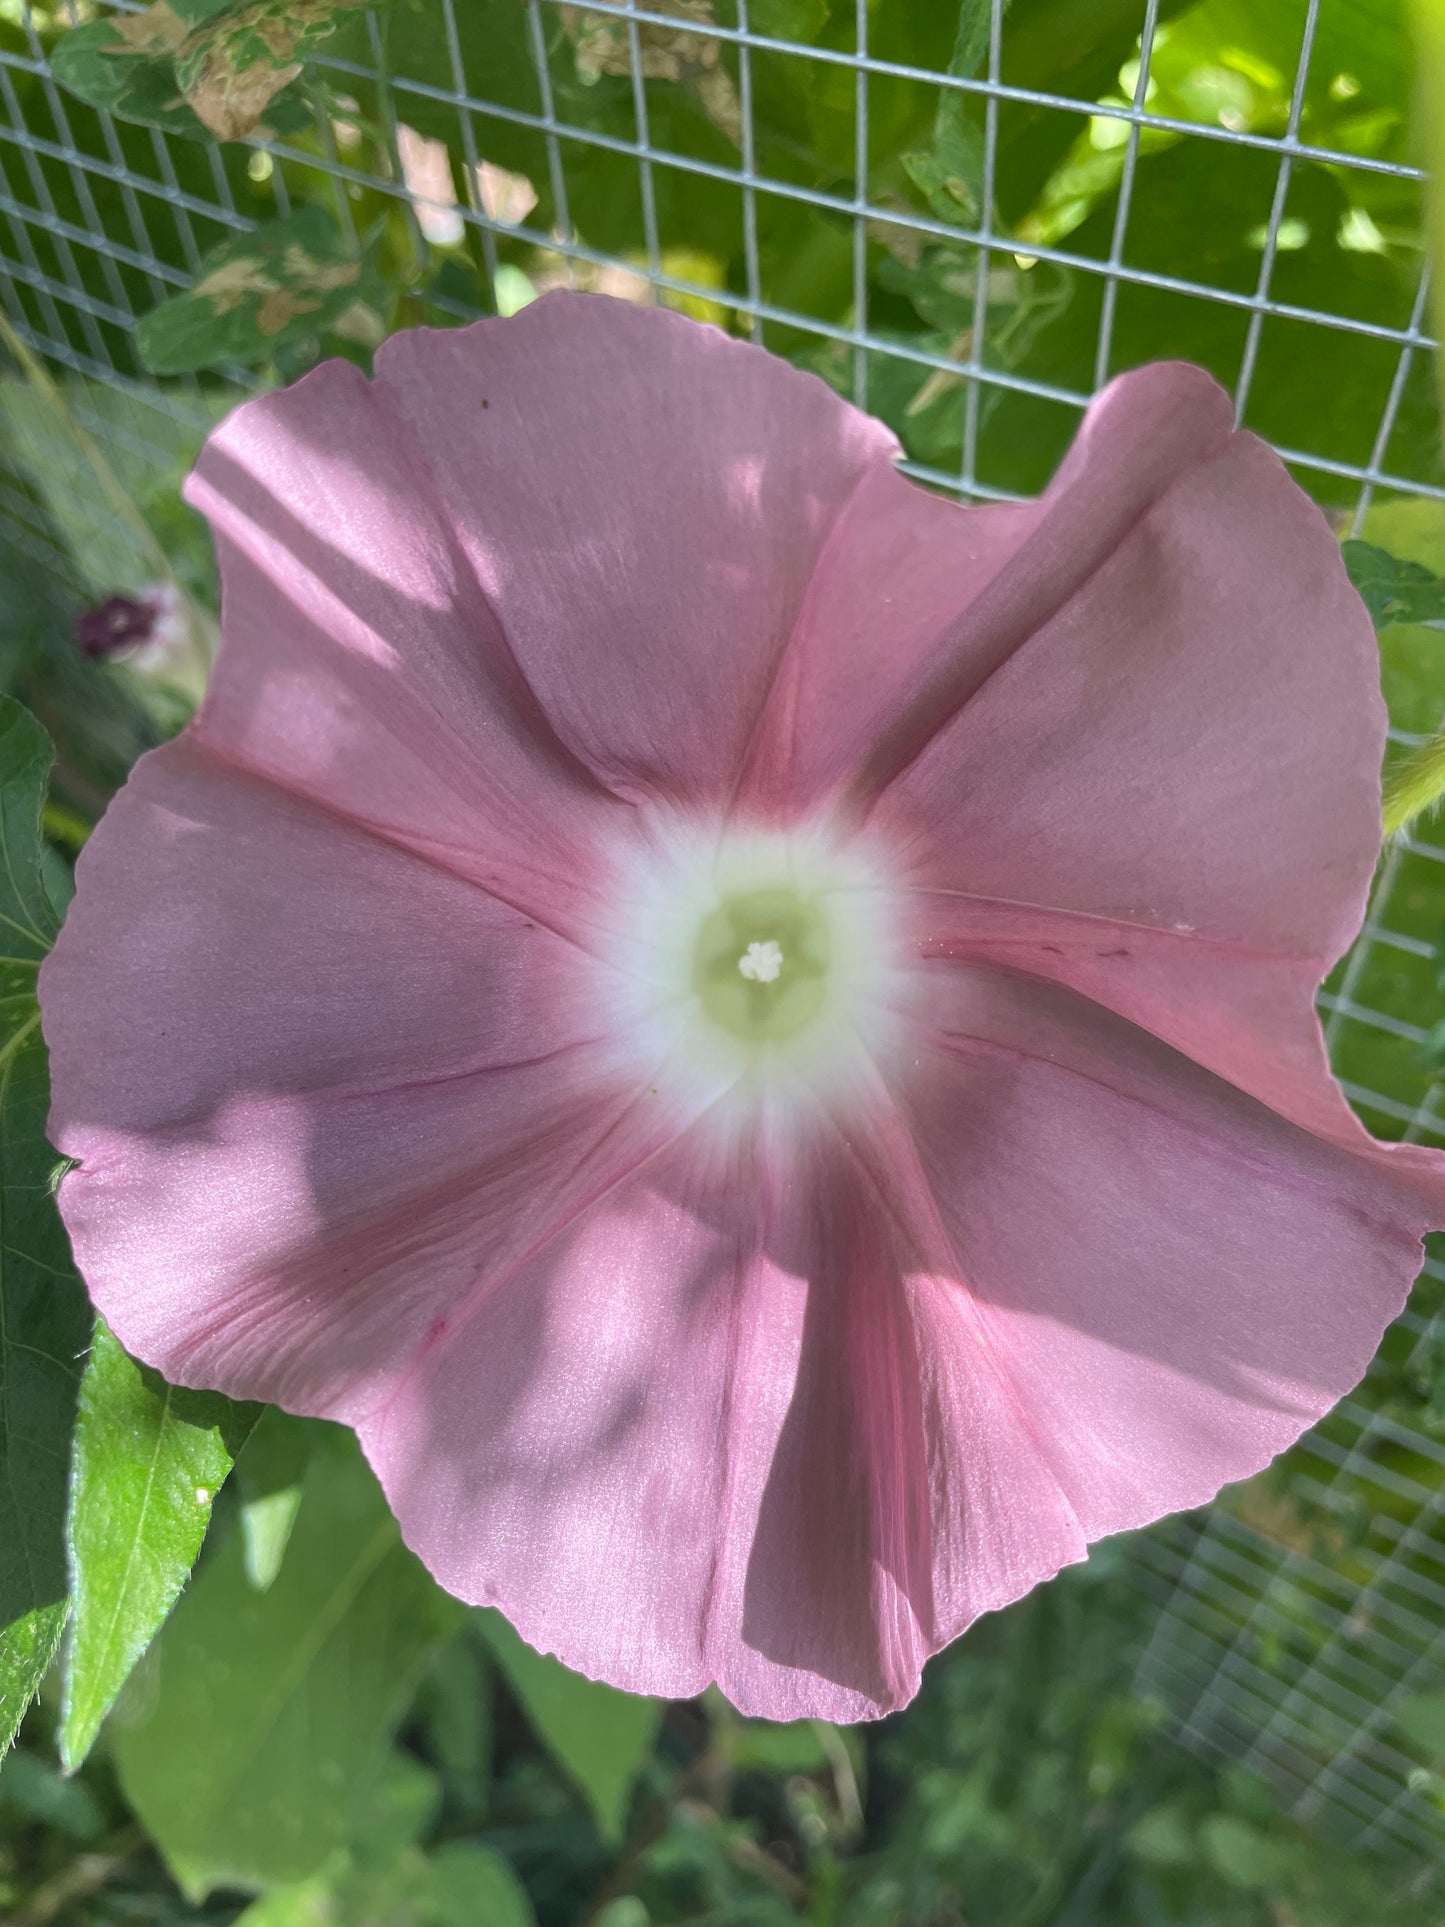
column 762, row 963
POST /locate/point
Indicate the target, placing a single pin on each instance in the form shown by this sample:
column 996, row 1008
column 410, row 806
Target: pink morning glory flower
column 748, row 1027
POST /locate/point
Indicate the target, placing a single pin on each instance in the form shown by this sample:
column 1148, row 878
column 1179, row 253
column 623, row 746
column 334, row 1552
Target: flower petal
column 707, row 1433
column 1210, row 685
column 316, row 1086
column 361, row 664
column 643, row 503
column 1177, row 1281
column 1247, row 1015
column 917, row 602
column 900, row 565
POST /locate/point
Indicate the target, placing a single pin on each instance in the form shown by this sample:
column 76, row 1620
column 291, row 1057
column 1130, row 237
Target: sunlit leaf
column 256, row 294
column 234, row 63
column 149, row 1459
column 127, row 65
column 44, row 1319
column 258, row 1721
column 309, row 1903
column 269, row 1479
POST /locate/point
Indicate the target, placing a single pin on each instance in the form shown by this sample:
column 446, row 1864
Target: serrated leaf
column 1391, row 589
column 44, row 1318
column 149, row 1460
column 232, row 66
column 258, row 1721
column 256, row 293
column 126, row 65
column 598, row 1736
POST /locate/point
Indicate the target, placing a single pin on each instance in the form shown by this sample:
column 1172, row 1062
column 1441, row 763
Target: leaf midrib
column 328, row 1617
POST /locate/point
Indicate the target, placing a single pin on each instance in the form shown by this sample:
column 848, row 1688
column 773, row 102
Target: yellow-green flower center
column 760, row 964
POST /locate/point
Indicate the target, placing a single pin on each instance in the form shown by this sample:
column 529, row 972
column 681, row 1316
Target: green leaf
column 383, row 1876
column 257, row 293
column 801, row 20
column 598, row 1736
column 310, row 1903
column 1162, row 1837
column 455, row 1705
column 949, row 175
column 1391, row 589
column 469, row 1885
column 232, row 66
column 379, row 1879
column 26, row 912
column 45, row 440
column 1412, row 658
column 126, row 64
column 1242, row 1854
column 44, row 1319
column 400, row 1806
column 1427, row 25
column 459, row 1886
column 35, row 1789
column 258, row 1721
column 769, row 1746
column 149, row 1460
column 684, row 53
column 270, row 1478
column 1423, row 1719
column 1432, row 1055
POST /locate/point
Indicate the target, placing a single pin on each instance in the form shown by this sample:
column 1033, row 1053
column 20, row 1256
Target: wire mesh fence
column 538, row 143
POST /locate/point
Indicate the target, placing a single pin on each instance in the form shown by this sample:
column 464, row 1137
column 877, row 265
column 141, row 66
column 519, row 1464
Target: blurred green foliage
column 318, row 1737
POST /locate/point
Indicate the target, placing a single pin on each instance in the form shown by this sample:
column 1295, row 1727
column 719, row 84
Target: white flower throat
column 756, row 958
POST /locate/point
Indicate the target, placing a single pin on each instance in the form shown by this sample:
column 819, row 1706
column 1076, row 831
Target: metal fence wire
column 1297, row 1617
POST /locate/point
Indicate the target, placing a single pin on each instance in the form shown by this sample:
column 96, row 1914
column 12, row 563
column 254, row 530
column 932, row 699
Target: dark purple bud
column 118, row 623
